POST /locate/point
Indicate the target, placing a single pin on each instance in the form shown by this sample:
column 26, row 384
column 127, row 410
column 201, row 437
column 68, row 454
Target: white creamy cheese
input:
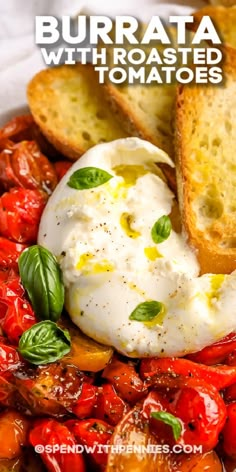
column 110, row 263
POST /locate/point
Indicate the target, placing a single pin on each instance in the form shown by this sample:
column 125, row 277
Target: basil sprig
column 42, row 279
column 44, row 343
column 161, row 229
column 88, row 177
column 169, row 419
column 146, row 311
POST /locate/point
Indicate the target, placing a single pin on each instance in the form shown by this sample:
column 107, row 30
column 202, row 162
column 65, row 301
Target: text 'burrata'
column 132, row 281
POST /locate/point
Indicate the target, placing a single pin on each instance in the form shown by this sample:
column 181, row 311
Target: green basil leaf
column 146, row 311
column 161, row 229
column 44, row 342
column 42, row 279
column 169, row 419
column 88, row 177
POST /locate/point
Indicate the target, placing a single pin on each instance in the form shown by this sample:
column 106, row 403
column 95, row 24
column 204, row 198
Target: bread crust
column 204, row 171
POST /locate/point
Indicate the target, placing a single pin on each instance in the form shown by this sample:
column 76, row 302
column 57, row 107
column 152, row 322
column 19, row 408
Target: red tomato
column 49, row 433
column 229, row 431
column 154, row 402
column 217, row 352
column 198, row 405
column 203, row 412
column 125, row 379
column 50, row 390
column 20, row 213
column 220, row 376
column 13, row 434
column 231, row 358
column 10, row 361
column 61, row 167
column 9, row 357
column 19, row 317
column 15, row 126
column 16, row 313
column 23, row 165
column 92, row 433
column 86, row 402
column 110, row 407
column 9, row 253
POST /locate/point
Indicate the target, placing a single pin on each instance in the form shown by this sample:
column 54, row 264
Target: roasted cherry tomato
column 154, row 402
column 110, row 407
column 231, row 358
column 9, row 253
column 198, row 405
column 16, row 313
column 52, row 389
column 51, row 435
column 203, row 413
column 84, row 406
column 61, row 168
column 217, row 352
column 92, row 432
column 16, row 126
column 9, row 357
column 85, row 353
column 19, row 317
column 125, row 379
column 133, row 431
column 229, row 431
column 20, row 213
column 220, row 376
column 23, row 165
column 13, row 434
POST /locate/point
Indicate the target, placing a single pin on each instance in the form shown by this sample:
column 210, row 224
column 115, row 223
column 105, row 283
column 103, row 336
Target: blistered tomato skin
column 16, row 313
column 50, row 390
column 125, row 380
column 23, row 165
column 50, row 433
column 92, row 432
column 16, row 126
column 84, row 406
column 203, row 413
column 9, row 253
column 20, row 213
column 110, row 407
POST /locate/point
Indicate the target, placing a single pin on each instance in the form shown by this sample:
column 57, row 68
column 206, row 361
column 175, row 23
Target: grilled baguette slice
column 206, row 168
column 224, row 20
column 68, row 105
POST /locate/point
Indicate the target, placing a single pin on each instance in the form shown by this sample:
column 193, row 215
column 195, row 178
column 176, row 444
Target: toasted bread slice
column 206, row 168
column 145, row 110
column 68, row 105
column 224, row 20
